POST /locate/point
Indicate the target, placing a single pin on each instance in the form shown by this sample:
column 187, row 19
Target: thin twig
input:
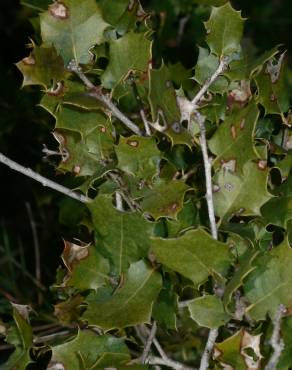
column 213, row 334
column 276, row 341
column 149, row 342
column 43, row 180
column 145, row 121
column 208, row 175
column 36, row 245
column 154, row 360
column 221, row 68
column 50, row 337
column 96, row 93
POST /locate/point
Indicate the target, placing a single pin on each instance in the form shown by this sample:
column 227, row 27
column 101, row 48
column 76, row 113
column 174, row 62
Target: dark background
column 24, row 128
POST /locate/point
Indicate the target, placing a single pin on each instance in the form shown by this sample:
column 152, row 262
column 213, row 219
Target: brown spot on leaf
column 273, row 98
column 76, row 169
column 242, row 123
column 30, row 60
column 73, row 253
column 216, row 188
column 102, row 129
column 56, row 366
column 228, row 186
column 229, row 165
column 262, row 164
column 233, row 132
column 176, row 127
column 133, row 143
column 59, row 10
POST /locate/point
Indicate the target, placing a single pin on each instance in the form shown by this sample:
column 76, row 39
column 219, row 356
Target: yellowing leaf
column 73, row 27
column 131, row 304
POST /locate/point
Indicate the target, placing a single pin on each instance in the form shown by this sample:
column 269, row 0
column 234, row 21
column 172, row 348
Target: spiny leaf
column 131, row 304
column 208, row 311
column 89, row 351
column 242, row 195
column 272, row 89
column 131, row 52
column 164, row 309
column 21, row 337
column 87, row 269
column 164, row 106
column 195, row 255
column 138, row 156
column 234, row 139
column 278, row 210
column 224, row 30
column 270, row 284
column 42, row 67
column 125, row 239
column 164, row 199
column 73, row 27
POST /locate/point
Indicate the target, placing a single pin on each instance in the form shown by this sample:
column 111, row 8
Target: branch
column 208, row 175
column 276, row 341
column 221, row 68
column 154, row 360
column 96, row 93
column 149, row 342
column 213, row 334
column 43, row 180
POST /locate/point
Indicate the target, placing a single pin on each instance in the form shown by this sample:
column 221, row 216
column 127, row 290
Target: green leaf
column 187, row 218
column 270, row 284
column 210, row 2
column 233, row 142
column 87, row 269
column 73, row 28
column 39, row 5
column 21, row 337
column 138, row 156
column 206, row 65
column 278, row 211
column 242, row 195
column 285, row 361
column 42, row 67
column 224, row 30
column 195, row 255
column 241, row 351
column 89, row 351
column 131, row 52
column 272, row 90
column 208, row 311
column 131, row 304
column 244, row 268
column 125, row 239
column 164, row 309
column 164, row 106
column 164, row 199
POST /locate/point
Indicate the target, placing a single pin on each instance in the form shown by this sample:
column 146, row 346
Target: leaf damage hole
column 59, row 10
column 228, row 186
column 133, row 143
column 262, row 164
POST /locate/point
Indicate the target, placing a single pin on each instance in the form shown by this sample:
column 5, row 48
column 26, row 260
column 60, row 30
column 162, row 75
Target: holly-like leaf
column 208, row 311
column 21, row 337
column 270, row 284
column 224, row 30
column 241, row 272
column 125, row 239
column 87, row 269
column 195, row 255
column 138, row 156
column 233, row 142
column 211, row 2
column 131, row 304
column 164, row 199
column 164, row 106
column 206, row 66
column 164, row 309
column 241, row 351
column 278, row 211
column 272, row 90
column 187, row 218
column 42, row 67
column 285, row 360
column 89, row 351
column 131, row 52
column 241, row 195
column 73, row 27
